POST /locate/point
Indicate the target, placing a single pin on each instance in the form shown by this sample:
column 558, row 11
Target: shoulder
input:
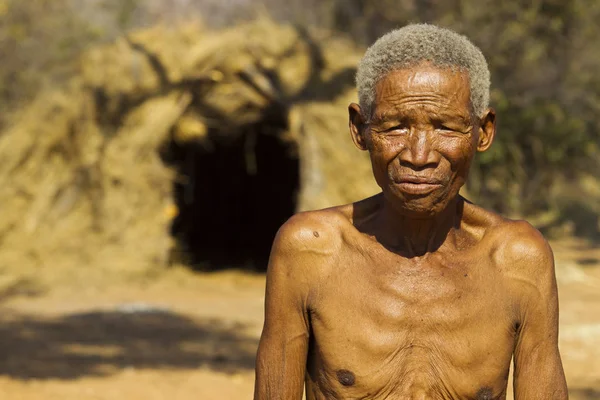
column 512, row 242
column 318, row 232
column 304, row 251
column 312, row 231
column 307, row 245
column 524, row 256
column 517, row 242
column 526, row 262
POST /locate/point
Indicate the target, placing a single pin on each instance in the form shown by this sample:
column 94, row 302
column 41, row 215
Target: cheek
column 382, row 152
column 459, row 153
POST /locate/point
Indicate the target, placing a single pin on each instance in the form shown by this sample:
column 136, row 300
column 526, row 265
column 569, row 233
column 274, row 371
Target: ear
column 357, row 126
column 487, row 130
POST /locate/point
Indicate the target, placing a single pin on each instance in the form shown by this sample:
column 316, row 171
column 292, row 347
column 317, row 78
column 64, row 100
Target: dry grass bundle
column 95, row 173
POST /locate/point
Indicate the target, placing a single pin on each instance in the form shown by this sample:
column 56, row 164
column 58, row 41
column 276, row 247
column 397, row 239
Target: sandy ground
column 180, row 336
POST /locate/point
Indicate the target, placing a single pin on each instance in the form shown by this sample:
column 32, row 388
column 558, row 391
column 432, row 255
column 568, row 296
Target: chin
column 425, row 206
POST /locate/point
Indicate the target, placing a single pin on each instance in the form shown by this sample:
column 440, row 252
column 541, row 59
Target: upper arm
column 281, row 358
column 538, row 367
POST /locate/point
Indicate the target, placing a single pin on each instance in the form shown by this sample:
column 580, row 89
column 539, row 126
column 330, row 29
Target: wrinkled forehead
column 424, row 86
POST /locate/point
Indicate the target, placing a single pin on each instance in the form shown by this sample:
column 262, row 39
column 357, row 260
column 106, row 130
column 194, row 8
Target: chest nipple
column 345, row 377
column 485, row 393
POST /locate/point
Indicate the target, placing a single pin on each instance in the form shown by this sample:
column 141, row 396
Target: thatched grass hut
column 186, row 141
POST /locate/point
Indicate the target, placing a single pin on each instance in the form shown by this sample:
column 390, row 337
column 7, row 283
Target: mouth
column 417, row 185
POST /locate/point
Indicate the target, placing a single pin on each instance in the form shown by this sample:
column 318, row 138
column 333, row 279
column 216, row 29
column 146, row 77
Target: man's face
column 421, row 138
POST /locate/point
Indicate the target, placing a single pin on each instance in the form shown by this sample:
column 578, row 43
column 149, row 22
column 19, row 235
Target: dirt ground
column 178, row 335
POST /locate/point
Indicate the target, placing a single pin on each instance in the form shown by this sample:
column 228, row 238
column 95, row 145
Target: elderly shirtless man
column 414, row 293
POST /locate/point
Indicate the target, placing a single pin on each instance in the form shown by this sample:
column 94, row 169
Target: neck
column 417, row 235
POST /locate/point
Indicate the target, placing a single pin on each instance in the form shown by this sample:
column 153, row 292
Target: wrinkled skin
column 414, row 293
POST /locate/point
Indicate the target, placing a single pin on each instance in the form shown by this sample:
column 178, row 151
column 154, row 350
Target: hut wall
column 84, row 172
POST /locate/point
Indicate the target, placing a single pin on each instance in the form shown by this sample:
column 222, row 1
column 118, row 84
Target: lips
column 416, row 185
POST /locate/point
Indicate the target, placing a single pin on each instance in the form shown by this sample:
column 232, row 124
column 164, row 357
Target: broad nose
column 419, row 152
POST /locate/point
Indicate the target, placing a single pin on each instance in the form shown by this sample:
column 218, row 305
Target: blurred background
column 149, row 150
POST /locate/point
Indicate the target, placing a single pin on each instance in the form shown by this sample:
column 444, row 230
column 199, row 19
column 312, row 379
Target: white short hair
column 417, row 43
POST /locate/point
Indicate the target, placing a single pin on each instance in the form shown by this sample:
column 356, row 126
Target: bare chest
column 394, row 328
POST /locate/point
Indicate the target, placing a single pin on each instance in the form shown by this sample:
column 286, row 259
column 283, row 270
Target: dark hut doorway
column 232, row 197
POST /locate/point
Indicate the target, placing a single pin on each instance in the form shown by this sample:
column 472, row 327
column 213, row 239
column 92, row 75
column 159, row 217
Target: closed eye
column 446, row 128
column 440, row 126
column 397, row 128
